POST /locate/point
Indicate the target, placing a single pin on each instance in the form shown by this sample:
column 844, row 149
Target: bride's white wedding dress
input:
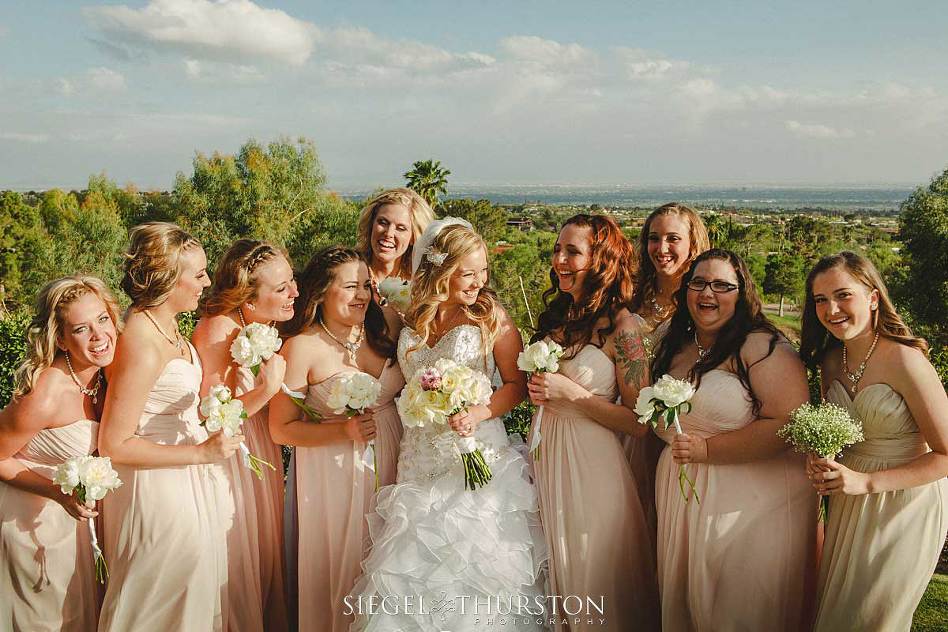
column 443, row 557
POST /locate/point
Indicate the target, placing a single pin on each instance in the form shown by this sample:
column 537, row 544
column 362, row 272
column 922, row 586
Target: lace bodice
column 429, row 452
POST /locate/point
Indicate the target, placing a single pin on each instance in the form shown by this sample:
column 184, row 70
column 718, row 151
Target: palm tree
column 428, row 179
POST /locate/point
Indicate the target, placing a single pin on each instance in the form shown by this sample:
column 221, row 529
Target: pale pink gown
column 334, row 492
column 47, row 575
column 166, row 527
column 589, row 504
column 737, row 560
column 257, row 599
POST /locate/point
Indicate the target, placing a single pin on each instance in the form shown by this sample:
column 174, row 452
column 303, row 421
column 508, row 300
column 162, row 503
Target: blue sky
column 501, row 92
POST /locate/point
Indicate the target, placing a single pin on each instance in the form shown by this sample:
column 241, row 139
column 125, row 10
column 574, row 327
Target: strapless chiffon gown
column 736, row 561
column 256, row 595
column 438, row 549
column 589, row 503
column 47, row 576
column 166, row 527
column 880, row 549
column 334, row 492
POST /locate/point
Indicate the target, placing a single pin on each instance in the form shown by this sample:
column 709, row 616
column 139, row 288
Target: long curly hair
column 419, row 211
column 608, row 287
column 429, row 287
column 748, row 317
column 45, row 330
column 152, row 262
column 235, row 280
column 647, row 286
column 313, row 284
column 816, row 340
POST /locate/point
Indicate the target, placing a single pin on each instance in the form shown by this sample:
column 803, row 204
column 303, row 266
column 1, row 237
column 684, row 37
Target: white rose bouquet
column 540, row 357
column 665, row 401
column 351, row 395
column 258, row 342
column 225, row 413
column 91, row 478
column 434, row 394
column 397, row 292
column 823, row 430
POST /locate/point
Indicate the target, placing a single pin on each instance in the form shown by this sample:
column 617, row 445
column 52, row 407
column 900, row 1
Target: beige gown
column 590, row 508
column 880, row 549
column 334, row 492
column 736, row 561
column 166, row 527
column 47, row 576
column 256, row 597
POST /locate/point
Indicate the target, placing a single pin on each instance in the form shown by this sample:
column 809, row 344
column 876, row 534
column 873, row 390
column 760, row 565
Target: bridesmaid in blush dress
column 589, row 502
column 736, row 556
column 166, row 526
column 888, row 508
column 253, row 284
column 337, row 329
column 47, row 575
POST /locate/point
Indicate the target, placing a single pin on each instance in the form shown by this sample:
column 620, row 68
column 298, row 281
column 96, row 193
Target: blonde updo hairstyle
column 419, row 211
column 430, row 283
column 152, row 262
column 45, row 332
column 235, row 280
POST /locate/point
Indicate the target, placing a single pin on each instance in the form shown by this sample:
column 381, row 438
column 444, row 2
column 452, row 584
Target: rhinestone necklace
column 702, row 352
column 857, row 375
column 351, row 347
column 90, row 392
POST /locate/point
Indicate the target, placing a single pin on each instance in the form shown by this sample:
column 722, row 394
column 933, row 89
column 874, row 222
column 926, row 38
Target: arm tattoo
column 632, row 357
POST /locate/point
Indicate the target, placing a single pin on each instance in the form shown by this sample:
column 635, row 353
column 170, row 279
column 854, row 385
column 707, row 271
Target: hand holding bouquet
column 351, row 395
column 540, row 357
column 225, row 413
column 90, row 478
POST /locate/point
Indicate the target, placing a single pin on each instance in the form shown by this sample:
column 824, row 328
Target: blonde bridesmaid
column 735, row 554
column 337, row 329
column 888, row 508
column 47, row 575
column 672, row 236
column 253, row 284
column 589, row 502
column 166, row 526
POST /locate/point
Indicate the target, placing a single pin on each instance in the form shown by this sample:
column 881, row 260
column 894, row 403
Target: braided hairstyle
column 235, row 281
column 152, row 262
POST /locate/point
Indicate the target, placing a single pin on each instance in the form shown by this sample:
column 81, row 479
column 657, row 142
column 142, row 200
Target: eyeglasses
column 718, row 287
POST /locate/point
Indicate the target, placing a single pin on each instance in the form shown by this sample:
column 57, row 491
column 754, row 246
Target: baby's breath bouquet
column 224, row 412
column 823, row 430
column 90, row 478
column 351, row 395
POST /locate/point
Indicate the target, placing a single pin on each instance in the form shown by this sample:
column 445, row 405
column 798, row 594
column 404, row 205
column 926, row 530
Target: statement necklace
column 90, row 392
column 702, row 352
column 176, row 341
column 660, row 311
column 855, row 377
column 351, row 347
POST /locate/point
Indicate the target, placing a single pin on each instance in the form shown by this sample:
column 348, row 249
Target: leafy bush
column 12, row 350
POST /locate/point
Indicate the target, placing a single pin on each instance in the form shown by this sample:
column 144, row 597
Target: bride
column 443, row 557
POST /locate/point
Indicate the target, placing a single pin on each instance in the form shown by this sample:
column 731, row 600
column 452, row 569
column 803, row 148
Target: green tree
column 21, row 238
column 784, row 275
column 489, row 220
column 428, row 179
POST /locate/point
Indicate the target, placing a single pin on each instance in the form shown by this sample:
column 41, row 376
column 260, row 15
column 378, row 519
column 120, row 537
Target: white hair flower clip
column 434, row 256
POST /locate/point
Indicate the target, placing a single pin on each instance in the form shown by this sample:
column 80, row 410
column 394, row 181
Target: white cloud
column 24, row 137
column 546, row 53
column 641, row 64
column 361, row 47
column 93, row 81
column 228, row 30
column 816, row 130
column 211, row 71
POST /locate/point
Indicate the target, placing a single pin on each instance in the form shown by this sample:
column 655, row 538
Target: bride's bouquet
column 540, row 357
column 434, row 394
column 225, row 413
column 351, row 395
column 823, row 430
column 91, row 478
column 258, row 342
column 665, row 401
column 397, row 292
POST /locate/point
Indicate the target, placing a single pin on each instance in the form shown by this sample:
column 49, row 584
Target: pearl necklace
column 351, row 347
column 855, row 377
column 176, row 341
column 89, row 392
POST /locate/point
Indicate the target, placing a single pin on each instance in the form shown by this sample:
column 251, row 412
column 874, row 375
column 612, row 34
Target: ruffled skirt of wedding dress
column 445, row 558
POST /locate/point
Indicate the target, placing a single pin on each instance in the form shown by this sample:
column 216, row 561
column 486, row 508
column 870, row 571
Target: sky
column 501, row 92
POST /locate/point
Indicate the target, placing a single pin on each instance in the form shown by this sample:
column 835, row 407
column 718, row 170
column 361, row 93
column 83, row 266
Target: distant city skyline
column 517, row 94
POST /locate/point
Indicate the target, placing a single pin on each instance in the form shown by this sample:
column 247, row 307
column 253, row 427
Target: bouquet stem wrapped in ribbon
column 223, row 412
column 434, row 394
column 540, row 357
column 90, row 478
column 665, row 401
column 258, row 342
column 351, row 395
column 823, row 430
